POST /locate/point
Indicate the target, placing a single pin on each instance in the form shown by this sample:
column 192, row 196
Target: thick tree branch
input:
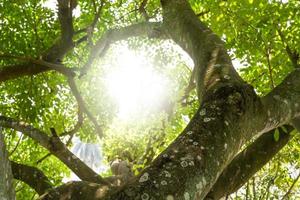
column 248, row 162
column 282, row 104
column 32, row 176
column 56, row 147
column 65, row 43
column 76, row 190
column 114, row 35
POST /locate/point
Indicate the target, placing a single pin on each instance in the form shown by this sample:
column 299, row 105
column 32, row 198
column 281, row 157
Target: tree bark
column 7, row 191
column 32, row 176
column 229, row 116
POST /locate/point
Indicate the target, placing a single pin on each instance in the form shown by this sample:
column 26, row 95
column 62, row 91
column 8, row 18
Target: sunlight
column 133, row 83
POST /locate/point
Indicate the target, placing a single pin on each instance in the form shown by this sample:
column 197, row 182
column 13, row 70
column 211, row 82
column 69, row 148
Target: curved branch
column 114, row 35
column 56, row 147
column 32, row 176
column 248, row 162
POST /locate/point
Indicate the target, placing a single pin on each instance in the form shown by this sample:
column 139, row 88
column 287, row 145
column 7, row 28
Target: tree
column 204, row 161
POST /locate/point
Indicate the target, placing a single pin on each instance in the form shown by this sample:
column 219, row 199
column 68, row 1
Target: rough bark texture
column 229, row 116
column 7, row 191
column 248, row 162
column 32, row 176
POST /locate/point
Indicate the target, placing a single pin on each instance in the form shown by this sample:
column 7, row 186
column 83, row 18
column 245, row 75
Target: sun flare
column 134, row 84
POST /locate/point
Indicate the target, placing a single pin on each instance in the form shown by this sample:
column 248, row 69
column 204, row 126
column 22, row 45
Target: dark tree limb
column 76, row 190
column 111, row 36
column 56, row 147
column 32, row 176
column 248, row 162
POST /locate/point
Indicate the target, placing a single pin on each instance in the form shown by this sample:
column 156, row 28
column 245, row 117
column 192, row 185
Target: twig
column 269, row 67
column 294, row 56
column 143, row 11
column 82, row 106
column 77, row 125
column 291, row 188
column 20, row 138
column 43, row 158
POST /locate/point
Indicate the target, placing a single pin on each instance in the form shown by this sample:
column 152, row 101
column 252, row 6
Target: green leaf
column 276, row 135
column 284, row 129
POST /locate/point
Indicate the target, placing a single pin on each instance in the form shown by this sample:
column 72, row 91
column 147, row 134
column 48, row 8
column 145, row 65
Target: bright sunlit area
column 134, row 84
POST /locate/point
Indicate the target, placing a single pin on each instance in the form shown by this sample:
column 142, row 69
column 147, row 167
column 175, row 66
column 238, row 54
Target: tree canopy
column 169, row 99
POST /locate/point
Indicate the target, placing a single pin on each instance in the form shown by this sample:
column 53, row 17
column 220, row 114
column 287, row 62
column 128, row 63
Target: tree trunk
column 7, row 191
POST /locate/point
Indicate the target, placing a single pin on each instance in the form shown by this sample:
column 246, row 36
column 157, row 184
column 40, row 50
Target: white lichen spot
column 183, row 163
column 226, row 77
column 165, row 155
column 226, row 123
column 225, row 146
column 199, row 157
column 167, row 174
column 144, row 177
column 202, row 112
column 186, row 196
column 145, row 196
column 195, row 143
column 202, row 147
column 163, row 182
column 170, row 197
column 217, row 65
column 206, row 119
column 199, row 186
column 191, row 163
column 189, row 132
column 213, row 106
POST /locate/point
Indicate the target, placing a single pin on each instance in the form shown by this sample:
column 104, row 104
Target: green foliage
column 250, row 29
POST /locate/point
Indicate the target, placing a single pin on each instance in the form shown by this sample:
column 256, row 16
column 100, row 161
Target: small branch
column 82, row 106
column 143, row 11
column 20, row 138
column 291, row 188
column 269, row 67
column 190, row 87
column 294, row 56
column 32, row 176
column 43, row 158
column 200, row 14
column 77, row 125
